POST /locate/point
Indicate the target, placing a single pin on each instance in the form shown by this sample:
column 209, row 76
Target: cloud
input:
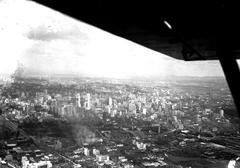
column 56, row 56
column 44, row 33
column 49, row 32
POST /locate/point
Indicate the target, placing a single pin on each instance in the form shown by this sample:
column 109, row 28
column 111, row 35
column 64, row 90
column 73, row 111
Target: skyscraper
column 86, row 151
column 88, row 105
column 221, row 112
column 78, row 99
column 110, row 102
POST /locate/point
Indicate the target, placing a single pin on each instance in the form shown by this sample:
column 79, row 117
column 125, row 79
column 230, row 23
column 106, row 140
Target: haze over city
column 45, row 41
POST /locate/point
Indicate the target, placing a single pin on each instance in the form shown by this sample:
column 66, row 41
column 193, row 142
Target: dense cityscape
column 87, row 122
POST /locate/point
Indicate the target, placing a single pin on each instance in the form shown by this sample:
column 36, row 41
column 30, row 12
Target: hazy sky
column 49, row 42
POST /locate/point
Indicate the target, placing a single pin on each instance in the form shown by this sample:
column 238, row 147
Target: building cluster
column 15, row 155
column 125, row 119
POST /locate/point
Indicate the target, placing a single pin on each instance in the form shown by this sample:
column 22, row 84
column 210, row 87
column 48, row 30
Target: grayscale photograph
column 145, row 90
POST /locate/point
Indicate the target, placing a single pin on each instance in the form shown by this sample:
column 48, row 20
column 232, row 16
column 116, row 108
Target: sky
column 47, row 42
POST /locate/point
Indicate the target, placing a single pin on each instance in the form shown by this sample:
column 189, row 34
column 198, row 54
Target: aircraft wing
column 195, row 24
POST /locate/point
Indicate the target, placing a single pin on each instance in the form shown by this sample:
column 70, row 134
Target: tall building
column 88, row 105
column 144, row 111
column 109, row 109
column 221, row 112
column 110, row 102
column 86, row 151
column 78, row 99
column 159, row 128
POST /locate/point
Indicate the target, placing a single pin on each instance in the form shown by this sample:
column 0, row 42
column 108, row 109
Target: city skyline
column 57, row 44
column 75, row 96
